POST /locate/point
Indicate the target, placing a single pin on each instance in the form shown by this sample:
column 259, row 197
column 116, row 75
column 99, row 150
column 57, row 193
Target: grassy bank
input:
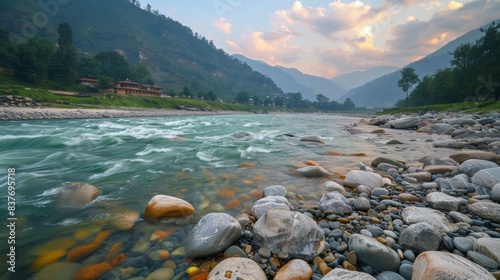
column 465, row 107
column 10, row 85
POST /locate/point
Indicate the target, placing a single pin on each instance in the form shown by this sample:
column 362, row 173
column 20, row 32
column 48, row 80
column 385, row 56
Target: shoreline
column 43, row 113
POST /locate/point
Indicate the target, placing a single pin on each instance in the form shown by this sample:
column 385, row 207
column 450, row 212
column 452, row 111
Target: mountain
column 292, row 80
column 176, row 55
column 359, row 78
column 384, row 92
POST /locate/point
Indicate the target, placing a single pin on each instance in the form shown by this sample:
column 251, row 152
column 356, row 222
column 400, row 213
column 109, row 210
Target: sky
column 329, row 38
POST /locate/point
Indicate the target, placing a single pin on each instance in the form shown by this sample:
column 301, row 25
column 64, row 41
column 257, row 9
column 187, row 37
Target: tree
column 256, row 100
column 279, row 101
column 348, row 105
column 88, row 68
column 114, row 65
column 63, row 65
column 34, row 58
column 408, row 79
column 141, row 74
column 186, row 93
column 242, row 97
column 8, row 58
column 322, row 99
column 148, row 8
column 294, row 99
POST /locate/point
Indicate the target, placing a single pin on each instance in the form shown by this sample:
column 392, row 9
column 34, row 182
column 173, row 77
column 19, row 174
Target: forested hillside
column 177, row 57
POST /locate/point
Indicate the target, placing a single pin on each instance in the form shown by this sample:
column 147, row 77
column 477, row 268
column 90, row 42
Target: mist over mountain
column 176, row 56
column 292, row 80
column 359, row 78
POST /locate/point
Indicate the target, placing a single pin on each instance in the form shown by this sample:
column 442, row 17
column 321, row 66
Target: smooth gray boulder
column 240, row 268
column 471, row 166
column 486, row 210
column 466, row 155
column 275, row 191
column 334, row 202
column 495, row 192
column 357, row 177
column 413, row 215
column 434, row 265
column 332, row 186
column 213, row 234
column 362, row 203
column 420, row 237
column 380, row 160
column 487, row 177
column 438, row 128
column 344, row 274
column 405, row 123
column 312, row 171
column 291, row 232
column 443, row 202
column 374, row 253
column 261, row 206
column 77, row 194
column 489, row 247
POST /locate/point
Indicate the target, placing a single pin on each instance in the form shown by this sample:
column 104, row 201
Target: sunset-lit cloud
column 330, row 37
column 453, row 5
column 270, row 47
column 223, row 25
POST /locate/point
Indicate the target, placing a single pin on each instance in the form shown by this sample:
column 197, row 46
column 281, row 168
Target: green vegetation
column 474, row 75
column 175, row 56
column 408, row 79
column 11, row 85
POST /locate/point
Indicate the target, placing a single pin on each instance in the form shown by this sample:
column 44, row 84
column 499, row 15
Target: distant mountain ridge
column 177, row 56
column 384, row 92
column 292, row 80
column 359, row 78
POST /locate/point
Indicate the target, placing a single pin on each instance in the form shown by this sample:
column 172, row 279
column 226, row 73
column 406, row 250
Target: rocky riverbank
column 39, row 113
column 390, row 218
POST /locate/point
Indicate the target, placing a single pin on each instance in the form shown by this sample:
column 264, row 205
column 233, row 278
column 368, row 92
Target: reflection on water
column 217, row 163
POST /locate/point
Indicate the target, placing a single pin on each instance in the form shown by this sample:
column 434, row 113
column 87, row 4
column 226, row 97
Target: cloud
column 453, row 5
column 419, row 38
column 333, row 21
column 223, row 25
column 271, row 47
column 410, row 18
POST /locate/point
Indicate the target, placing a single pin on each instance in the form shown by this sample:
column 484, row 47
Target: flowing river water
column 218, row 163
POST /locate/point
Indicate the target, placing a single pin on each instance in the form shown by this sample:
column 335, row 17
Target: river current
column 216, row 162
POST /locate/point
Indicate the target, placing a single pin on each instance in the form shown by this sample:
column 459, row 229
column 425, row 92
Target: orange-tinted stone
column 160, row 235
column 247, row 182
column 227, row 193
column 118, row 260
column 53, row 245
column 311, row 163
column 162, row 207
column 233, row 204
column 103, row 235
column 248, row 164
column 359, row 155
column 82, row 251
column 48, row 258
column 332, row 153
column 256, row 194
column 201, row 276
column 92, row 272
column 115, row 250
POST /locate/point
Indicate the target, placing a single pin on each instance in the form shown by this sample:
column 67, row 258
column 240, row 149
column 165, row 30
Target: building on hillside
column 132, row 88
column 88, row 82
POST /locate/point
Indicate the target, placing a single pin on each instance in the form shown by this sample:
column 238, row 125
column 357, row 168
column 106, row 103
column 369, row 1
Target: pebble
column 482, row 260
column 264, row 252
column 406, row 270
column 463, row 244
